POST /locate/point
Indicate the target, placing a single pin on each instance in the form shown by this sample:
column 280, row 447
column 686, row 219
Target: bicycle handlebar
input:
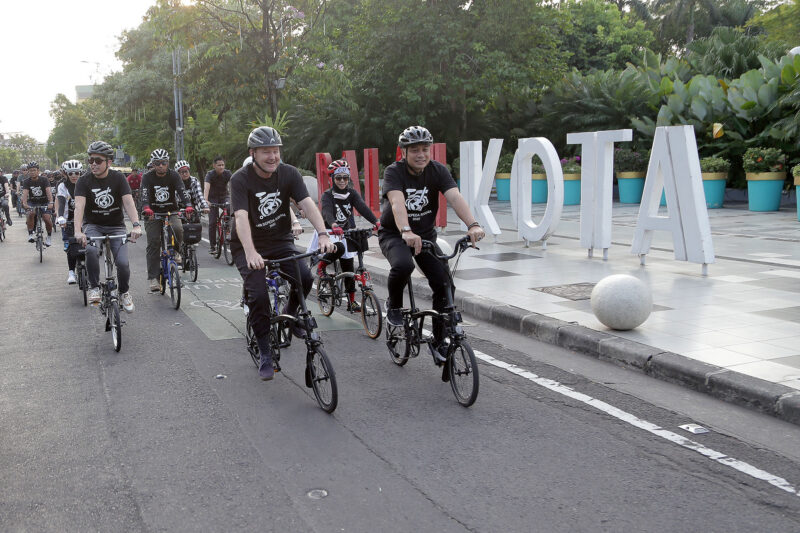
column 358, row 231
column 460, row 245
column 290, row 258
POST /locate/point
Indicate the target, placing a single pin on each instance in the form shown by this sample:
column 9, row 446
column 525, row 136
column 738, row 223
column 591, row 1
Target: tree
column 29, row 149
column 9, row 158
column 69, row 133
column 782, row 23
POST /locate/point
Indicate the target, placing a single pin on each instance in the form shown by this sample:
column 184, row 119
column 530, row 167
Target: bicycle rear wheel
column 115, row 323
column 325, row 297
column 319, row 372
column 174, row 286
column 252, row 344
column 195, row 266
column 463, row 371
column 83, row 283
column 226, row 251
column 371, row 316
column 397, row 342
column 220, row 240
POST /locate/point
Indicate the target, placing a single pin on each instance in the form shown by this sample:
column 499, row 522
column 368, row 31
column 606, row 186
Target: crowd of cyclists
column 93, row 201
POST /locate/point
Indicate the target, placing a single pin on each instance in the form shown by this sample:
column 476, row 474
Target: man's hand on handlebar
column 413, row 241
column 254, row 260
column 325, row 244
column 475, row 233
column 136, row 232
column 80, row 237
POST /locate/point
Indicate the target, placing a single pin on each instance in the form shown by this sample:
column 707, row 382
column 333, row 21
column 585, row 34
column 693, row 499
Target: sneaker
column 212, row 250
column 394, row 317
column 31, row 238
column 47, row 241
column 266, row 370
column 354, row 307
column 127, row 302
column 66, row 246
column 94, row 295
column 71, row 278
column 178, row 258
column 155, row 286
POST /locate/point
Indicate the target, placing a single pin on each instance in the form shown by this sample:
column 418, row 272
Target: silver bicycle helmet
column 102, row 148
column 73, row 165
column 180, row 164
column 264, row 136
column 414, row 135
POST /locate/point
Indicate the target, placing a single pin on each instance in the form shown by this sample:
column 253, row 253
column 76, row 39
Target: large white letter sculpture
column 675, row 168
column 597, row 185
column 476, row 185
column 521, row 190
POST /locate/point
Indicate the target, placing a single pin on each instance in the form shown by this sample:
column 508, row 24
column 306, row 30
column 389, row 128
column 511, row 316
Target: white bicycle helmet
column 73, row 165
column 180, row 164
column 159, row 154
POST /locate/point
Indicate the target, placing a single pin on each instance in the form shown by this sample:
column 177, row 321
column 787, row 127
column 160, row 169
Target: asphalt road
column 154, row 439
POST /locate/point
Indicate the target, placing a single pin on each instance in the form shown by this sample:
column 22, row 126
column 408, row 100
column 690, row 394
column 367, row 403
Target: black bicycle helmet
column 102, row 148
column 33, row 164
column 414, row 135
column 264, row 136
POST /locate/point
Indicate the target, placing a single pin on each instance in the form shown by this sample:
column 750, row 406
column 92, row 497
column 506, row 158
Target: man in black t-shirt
column 5, row 196
column 162, row 193
column 13, row 184
column 261, row 193
column 411, row 187
column 36, row 192
column 100, row 196
column 215, row 190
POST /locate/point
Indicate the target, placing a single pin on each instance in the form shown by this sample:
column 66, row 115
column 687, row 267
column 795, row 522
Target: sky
column 44, row 46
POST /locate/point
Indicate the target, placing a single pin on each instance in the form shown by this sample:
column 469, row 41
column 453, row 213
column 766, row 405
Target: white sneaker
column 94, row 295
column 31, row 238
column 47, row 241
column 71, row 278
column 127, row 302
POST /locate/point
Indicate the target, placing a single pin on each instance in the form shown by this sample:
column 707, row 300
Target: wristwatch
column 405, row 229
column 135, row 224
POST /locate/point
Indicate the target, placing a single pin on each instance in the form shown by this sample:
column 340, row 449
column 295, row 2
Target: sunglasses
column 74, row 173
column 342, row 178
column 95, row 160
column 160, row 162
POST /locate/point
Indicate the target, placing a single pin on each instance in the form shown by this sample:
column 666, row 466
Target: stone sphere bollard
column 621, row 302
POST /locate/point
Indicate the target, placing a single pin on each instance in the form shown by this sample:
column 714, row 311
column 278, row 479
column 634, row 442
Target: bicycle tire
column 323, row 379
column 397, row 342
column 116, row 325
column 40, row 246
column 325, row 296
column 174, row 286
column 195, row 266
column 185, row 253
column 371, row 316
column 252, row 344
column 463, row 371
column 226, row 251
column 2, row 232
column 83, row 284
column 220, row 240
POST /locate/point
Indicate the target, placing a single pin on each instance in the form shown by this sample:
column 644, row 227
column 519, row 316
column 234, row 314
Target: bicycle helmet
column 340, row 166
column 33, row 164
column 102, row 148
column 264, row 136
column 23, row 167
column 159, row 154
column 414, row 135
column 180, row 164
column 72, row 165
column 247, row 161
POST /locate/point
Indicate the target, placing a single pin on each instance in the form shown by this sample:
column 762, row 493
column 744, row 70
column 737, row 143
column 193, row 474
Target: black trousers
column 214, row 215
column 255, row 283
column 347, row 264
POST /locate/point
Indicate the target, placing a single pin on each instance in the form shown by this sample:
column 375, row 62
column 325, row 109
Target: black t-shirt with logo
column 267, row 202
column 337, row 206
column 218, row 189
column 4, row 184
column 37, row 190
column 163, row 194
column 103, row 197
column 421, row 194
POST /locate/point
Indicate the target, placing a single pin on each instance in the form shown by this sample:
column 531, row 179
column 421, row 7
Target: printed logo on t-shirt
column 103, row 198
column 340, row 216
column 162, row 193
column 37, row 191
column 417, row 199
column 268, row 203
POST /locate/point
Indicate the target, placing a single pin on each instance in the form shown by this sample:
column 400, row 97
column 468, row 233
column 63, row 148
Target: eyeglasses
column 95, row 160
column 160, row 162
column 74, row 173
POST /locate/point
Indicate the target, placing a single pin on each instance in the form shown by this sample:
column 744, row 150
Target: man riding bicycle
column 191, row 185
column 66, row 213
column 100, row 196
column 36, row 192
column 5, row 197
column 162, row 193
column 338, row 204
column 411, row 187
column 260, row 196
column 215, row 190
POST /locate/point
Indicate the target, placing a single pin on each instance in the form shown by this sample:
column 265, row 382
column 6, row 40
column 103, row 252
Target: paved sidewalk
column 734, row 334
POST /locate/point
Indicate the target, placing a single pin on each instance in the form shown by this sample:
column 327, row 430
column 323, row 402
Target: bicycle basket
column 192, row 233
column 358, row 242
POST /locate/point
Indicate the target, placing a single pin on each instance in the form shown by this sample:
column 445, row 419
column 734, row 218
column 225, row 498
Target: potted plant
column 631, row 168
column 765, row 172
column 796, row 176
column 502, row 177
column 539, row 183
column 571, row 167
column 714, row 171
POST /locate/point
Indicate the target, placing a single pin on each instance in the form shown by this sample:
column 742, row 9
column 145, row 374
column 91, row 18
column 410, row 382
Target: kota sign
column 674, row 168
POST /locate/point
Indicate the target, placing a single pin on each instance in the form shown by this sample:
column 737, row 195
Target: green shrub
column 714, row 164
column 764, row 160
column 504, row 163
column 571, row 165
column 796, row 171
column 629, row 160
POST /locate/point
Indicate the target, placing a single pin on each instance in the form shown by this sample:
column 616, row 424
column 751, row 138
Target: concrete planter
column 796, row 190
column 764, row 190
column 572, row 189
column 539, row 188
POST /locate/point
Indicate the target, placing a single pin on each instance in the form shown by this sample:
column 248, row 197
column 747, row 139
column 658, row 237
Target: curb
column 774, row 399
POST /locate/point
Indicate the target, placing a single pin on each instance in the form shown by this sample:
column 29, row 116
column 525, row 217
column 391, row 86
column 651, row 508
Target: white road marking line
column 619, row 414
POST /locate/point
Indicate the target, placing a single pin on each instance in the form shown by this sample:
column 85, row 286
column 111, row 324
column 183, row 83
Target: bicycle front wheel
column 116, row 325
column 220, row 240
column 174, row 286
column 226, row 251
column 463, row 371
column 323, row 380
column 39, row 246
column 195, row 266
column 397, row 342
column 371, row 316
column 325, row 298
